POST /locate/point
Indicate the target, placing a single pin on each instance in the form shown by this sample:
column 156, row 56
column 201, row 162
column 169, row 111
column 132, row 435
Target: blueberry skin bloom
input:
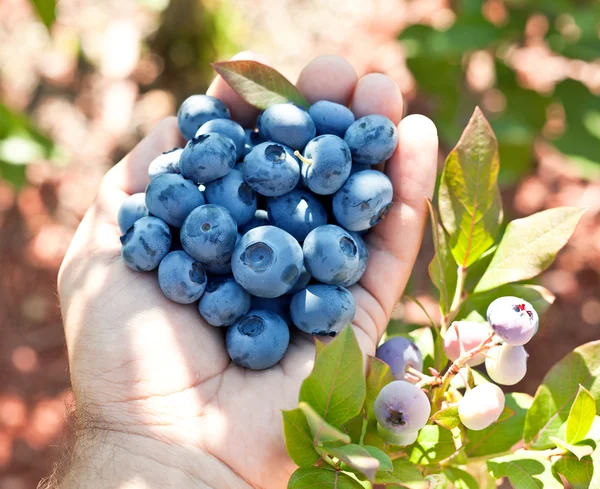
column 260, row 218
column 132, row 209
column 267, row 261
column 399, row 352
column 172, row 197
column 297, row 212
column 233, row 193
column 207, row 157
column 363, row 201
column 330, row 254
column 227, row 128
column 209, row 233
column 363, row 260
column 322, row 309
column 167, row 162
column 181, row 278
column 326, row 164
column 287, row 124
column 513, row 320
column 224, row 301
column 145, row 244
column 198, row 109
column 258, row 340
column 331, row 118
column 402, row 407
column 271, row 169
column 372, row 139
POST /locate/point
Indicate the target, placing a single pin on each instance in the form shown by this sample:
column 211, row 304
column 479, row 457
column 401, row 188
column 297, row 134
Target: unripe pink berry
column 471, row 335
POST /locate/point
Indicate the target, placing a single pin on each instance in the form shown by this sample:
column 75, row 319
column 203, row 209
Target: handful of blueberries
column 263, row 227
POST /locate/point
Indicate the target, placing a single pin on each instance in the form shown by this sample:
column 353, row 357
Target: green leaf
column 259, row 84
column 335, row 388
column 321, row 478
column 502, row 435
column 378, row 377
column 356, row 457
column 321, row 431
column 433, row 445
column 579, row 451
column 554, row 398
column 581, row 416
column 580, row 474
column 14, row 174
column 529, row 246
column 469, row 199
column 46, row 10
column 525, row 471
column 385, row 462
column 402, row 472
column 447, row 417
column 298, row 438
column 354, row 427
column 460, row 478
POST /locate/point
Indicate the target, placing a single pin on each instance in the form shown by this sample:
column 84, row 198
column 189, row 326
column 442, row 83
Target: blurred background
column 81, row 81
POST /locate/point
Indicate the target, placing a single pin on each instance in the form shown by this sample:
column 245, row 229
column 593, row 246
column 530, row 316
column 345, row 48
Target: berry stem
column 298, row 155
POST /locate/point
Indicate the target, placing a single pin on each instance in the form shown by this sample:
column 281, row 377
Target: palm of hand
column 145, row 366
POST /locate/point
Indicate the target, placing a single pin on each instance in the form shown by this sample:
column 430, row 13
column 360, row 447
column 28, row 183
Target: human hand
column 158, row 401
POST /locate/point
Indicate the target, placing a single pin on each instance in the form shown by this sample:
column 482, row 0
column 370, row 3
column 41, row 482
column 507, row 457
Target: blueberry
column 271, row 169
column 481, row 406
column 224, row 301
column 181, row 278
column 297, row 212
column 267, row 261
column 287, row 124
column 198, row 109
column 513, row 320
column 132, row 209
column 145, row 244
column 253, row 138
column 233, row 193
column 209, row 234
column 471, row 335
column 227, row 128
column 363, row 260
column 330, row 254
column 363, row 201
column 172, row 197
column 279, row 305
column 326, row 164
column 258, row 340
column 506, row 364
column 331, row 118
column 260, row 218
column 167, row 162
column 356, row 167
column 399, row 353
column 402, row 407
column 402, row 440
column 301, row 283
column 223, row 265
column 322, row 309
column 207, row 157
column 372, row 139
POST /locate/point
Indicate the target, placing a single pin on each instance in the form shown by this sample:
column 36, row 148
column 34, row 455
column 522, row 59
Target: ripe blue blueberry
column 261, row 218
column 399, row 353
column 221, row 266
column 330, row 254
column 207, row 157
column 181, row 278
column 132, row 209
column 224, row 301
column 171, row 197
column 326, row 164
column 145, row 244
column 301, row 283
column 167, row 162
column 209, row 233
column 331, row 118
column 267, row 261
column 258, row 340
column 279, row 305
column 271, row 169
column 363, row 260
column 287, row 124
column 513, row 319
column 297, row 212
column 227, row 128
column 363, row 201
column 402, row 407
column 198, row 109
column 322, row 309
column 356, row 167
column 252, row 139
column 372, row 139
column 506, row 364
column 233, row 193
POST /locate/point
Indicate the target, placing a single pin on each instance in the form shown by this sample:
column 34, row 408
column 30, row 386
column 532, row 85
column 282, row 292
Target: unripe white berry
column 506, row 364
column 481, row 406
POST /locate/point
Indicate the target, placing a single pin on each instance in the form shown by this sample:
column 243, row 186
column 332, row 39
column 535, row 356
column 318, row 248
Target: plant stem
column 461, row 275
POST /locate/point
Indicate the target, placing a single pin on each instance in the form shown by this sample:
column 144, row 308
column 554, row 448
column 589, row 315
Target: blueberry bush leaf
column 525, row 471
column 469, row 199
column 447, row 417
column 555, row 396
column 356, row 457
column 433, row 445
column 378, row 377
column 385, row 462
column 259, row 84
column 580, row 474
column 529, row 246
column 460, row 478
column 321, row 431
column 581, row 416
column 46, row 10
column 321, row 478
column 579, row 451
column 402, row 473
column 299, row 441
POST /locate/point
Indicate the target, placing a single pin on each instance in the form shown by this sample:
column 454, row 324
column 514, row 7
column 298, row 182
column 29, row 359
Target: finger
column 328, row 78
column 241, row 111
column 395, row 242
column 376, row 93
